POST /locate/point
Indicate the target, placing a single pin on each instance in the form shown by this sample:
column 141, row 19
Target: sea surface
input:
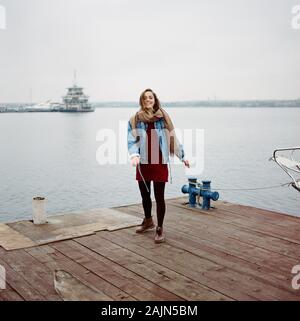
column 58, row 156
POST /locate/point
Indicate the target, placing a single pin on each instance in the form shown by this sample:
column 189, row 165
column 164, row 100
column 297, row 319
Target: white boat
column 44, row 106
column 286, row 159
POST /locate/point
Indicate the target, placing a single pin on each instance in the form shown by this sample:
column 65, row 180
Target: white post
column 2, row 278
column 39, row 212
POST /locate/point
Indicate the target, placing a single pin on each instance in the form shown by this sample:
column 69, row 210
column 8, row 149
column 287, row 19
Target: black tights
column 159, row 193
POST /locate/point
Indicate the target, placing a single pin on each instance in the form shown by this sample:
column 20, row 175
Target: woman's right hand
column 135, row 161
column 186, row 163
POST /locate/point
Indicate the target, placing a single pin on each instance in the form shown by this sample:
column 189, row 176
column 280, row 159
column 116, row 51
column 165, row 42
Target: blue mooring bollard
column 195, row 189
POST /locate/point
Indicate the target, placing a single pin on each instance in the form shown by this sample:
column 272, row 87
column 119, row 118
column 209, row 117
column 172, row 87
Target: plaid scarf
column 148, row 116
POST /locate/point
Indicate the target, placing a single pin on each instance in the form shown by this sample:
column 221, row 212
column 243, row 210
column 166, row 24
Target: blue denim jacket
column 138, row 148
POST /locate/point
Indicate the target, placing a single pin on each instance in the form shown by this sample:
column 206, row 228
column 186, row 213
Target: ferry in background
column 76, row 100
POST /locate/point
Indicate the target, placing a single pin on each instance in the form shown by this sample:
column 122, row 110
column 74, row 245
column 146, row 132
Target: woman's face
column 148, row 100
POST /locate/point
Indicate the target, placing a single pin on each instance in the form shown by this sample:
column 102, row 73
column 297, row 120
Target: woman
column 151, row 139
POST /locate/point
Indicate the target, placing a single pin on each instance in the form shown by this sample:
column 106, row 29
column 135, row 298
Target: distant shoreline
column 210, row 103
column 20, row 107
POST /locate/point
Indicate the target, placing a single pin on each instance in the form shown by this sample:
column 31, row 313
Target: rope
column 221, row 189
column 252, row 189
column 171, row 179
column 143, row 178
column 244, row 189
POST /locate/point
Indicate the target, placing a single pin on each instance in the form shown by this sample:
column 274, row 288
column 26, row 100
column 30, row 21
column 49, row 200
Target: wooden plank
column 255, row 237
column 217, row 242
column 68, row 226
column 259, row 213
column 32, row 271
column 11, row 239
column 233, row 252
column 202, row 219
column 261, row 216
column 182, row 241
column 277, row 218
column 246, row 212
column 224, row 241
column 19, row 284
column 219, row 278
column 55, row 260
column 290, row 233
column 115, row 274
column 147, row 268
column 70, row 288
column 224, row 215
column 9, row 294
column 287, row 229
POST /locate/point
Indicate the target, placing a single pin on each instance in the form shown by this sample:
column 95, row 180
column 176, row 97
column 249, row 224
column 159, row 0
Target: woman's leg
column 146, row 197
column 159, row 192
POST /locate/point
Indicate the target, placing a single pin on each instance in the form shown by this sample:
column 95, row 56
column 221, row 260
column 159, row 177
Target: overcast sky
column 182, row 49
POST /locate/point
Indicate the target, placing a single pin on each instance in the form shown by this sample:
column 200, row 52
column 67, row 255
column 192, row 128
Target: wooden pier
column 231, row 252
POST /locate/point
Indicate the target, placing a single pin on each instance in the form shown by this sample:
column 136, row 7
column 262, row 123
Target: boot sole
column 158, row 242
column 147, row 229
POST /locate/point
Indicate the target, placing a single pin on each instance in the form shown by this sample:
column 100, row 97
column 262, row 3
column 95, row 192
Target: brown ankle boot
column 146, row 225
column 159, row 235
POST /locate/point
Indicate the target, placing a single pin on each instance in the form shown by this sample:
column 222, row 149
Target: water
column 54, row 155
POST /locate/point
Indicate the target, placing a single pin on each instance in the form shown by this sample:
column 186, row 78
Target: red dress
column 157, row 172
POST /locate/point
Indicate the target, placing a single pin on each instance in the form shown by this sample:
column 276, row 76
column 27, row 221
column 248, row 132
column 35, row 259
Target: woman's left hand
column 186, row 163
